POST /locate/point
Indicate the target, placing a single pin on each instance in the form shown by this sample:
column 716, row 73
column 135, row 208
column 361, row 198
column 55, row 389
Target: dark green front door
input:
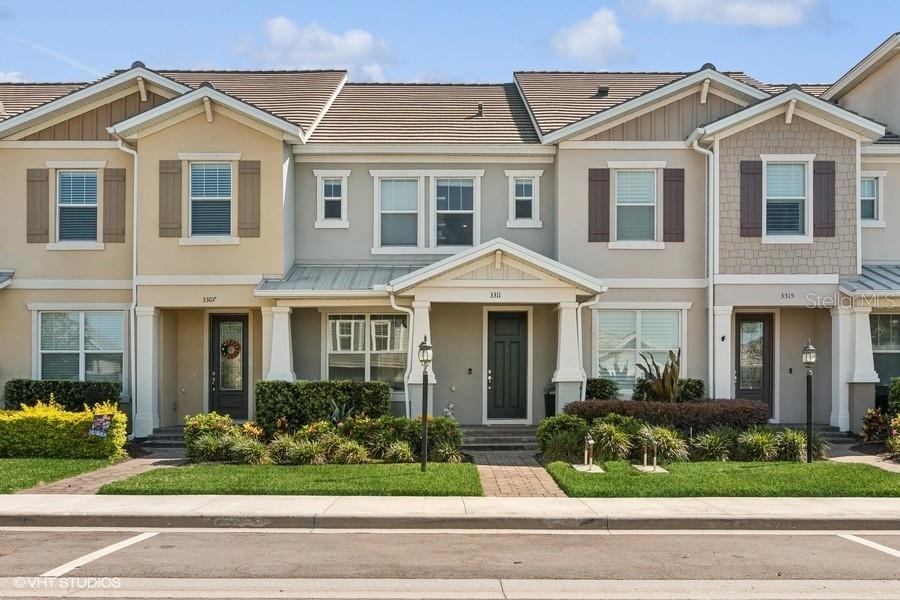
column 507, row 393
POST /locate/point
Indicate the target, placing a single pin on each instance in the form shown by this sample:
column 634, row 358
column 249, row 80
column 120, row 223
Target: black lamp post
column 808, row 357
column 425, row 358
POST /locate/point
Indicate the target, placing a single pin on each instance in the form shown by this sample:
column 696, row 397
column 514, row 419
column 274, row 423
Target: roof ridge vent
column 708, row 67
column 138, row 65
column 602, row 91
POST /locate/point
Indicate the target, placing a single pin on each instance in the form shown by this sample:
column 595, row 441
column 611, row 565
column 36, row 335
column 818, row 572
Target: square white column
column 267, row 318
column 863, row 359
column 842, row 343
column 723, row 375
column 421, row 328
column 281, row 356
column 146, row 397
column 568, row 358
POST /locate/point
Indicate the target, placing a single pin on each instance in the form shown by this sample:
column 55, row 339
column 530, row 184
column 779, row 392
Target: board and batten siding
column 91, row 125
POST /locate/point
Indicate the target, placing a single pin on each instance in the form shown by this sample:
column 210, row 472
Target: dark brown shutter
column 751, row 198
column 823, row 198
column 673, row 205
column 170, row 198
column 37, row 230
column 598, row 205
column 248, row 198
column 114, row 205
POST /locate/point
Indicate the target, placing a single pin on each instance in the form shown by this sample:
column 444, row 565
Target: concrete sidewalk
column 351, row 512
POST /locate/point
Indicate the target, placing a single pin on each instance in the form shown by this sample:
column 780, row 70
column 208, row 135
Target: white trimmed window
column 636, row 205
column 871, row 198
column 454, row 213
column 621, row 336
column 886, row 345
column 399, row 212
column 210, row 199
column 331, row 204
column 77, row 203
column 524, row 199
column 365, row 347
column 81, row 345
column 787, row 199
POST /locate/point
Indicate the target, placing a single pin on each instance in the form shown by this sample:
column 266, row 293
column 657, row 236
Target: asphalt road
column 861, row 560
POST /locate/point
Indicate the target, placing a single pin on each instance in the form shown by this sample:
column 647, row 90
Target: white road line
column 873, row 545
column 83, row 560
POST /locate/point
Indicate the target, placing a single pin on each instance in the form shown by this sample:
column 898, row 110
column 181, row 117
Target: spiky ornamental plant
column 665, row 382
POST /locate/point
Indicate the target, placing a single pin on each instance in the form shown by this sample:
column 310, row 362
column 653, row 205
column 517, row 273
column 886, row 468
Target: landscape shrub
column 689, row 390
column 563, row 444
column 893, row 442
column 601, row 388
column 202, row 425
column 791, row 445
column 378, row 434
column 629, row 425
column 70, row 395
column 692, row 417
column 574, row 426
column 50, row 431
column 876, row 426
column 349, row 452
column 399, row 452
column 894, row 397
column 210, row 447
column 717, row 443
column 245, row 450
column 289, row 405
column 757, row 444
column 611, row 442
column 446, row 452
column 669, row 446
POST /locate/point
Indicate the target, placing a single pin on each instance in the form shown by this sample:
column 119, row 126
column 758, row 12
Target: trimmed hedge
column 696, row 416
column 48, row 431
column 71, row 395
column 289, row 405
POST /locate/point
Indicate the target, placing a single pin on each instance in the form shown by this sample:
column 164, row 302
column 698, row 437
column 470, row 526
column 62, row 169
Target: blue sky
column 777, row 41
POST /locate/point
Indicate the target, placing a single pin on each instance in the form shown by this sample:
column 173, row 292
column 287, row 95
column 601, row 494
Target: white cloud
column 597, row 39
column 288, row 44
column 12, row 77
column 758, row 13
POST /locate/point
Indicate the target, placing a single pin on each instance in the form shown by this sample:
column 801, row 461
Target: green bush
column 689, row 390
column 289, row 405
column 349, row 452
column 202, row 425
column 399, row 452
column 629, row 425
column 876, row 426
column 757, row 444
column 611, row 442
column 445, row 452
column 563, row 444
column 684, row 416
column 894, row 397
column 378, row 434
column 716, row 444
column 70, row 395
column 49, row 431
column 791, row 445
column 669, row 446
column 244, row 450
column 600, row 388
column 569, row 424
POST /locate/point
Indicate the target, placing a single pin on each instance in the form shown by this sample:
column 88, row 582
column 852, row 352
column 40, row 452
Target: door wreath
column 231, row 349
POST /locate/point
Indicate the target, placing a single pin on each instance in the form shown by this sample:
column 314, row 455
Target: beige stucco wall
column 677, row 260
column 200, row 296
column 879, row 244
column 34, row 261
column 163, row 255
column 748, row 255
column 796, row 325
column 878, row 95
column 355, row 243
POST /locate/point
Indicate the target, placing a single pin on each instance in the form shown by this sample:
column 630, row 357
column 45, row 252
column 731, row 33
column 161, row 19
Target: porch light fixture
column 425, row 353
column 425, row 357
column 808, row 356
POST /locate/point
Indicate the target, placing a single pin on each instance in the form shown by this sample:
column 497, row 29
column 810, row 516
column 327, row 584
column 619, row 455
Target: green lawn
column 728, row 479
column 21, row 473
column 441, row 479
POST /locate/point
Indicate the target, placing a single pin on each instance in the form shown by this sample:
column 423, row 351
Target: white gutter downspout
column 710, row 263
column 132, row 367
column 590, row 303
column 409, row 351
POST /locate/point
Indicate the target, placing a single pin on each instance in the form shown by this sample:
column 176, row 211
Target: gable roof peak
column 708, row 67
column 138, row 65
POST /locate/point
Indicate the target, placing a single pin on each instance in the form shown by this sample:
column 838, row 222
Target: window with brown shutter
column 37, row 229
column 114, row 205
column 598, row 205
column 823, row 198
column 248, row 198
column 673, row 205
column 751, row 198
column 170, row 198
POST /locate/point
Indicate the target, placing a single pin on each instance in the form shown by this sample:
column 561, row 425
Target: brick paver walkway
column 514, row 473
column 91, row 482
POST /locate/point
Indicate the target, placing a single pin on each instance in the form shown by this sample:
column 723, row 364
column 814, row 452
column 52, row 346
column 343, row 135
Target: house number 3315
column 495, row 295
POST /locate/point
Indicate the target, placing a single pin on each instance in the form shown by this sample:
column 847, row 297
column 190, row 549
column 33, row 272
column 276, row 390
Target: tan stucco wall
column 878, row 95
column 199, row 296
column 164, row 256
column 34, row 261
column 880, row 244
column 747, row 255
column 796, row 325
column 678, row 259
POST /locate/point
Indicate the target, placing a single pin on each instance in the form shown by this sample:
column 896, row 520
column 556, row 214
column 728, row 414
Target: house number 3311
column 495, row 295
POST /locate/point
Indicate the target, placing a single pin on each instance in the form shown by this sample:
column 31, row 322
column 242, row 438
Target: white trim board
column 529, row 311
column 777, row 279
column 847, row 81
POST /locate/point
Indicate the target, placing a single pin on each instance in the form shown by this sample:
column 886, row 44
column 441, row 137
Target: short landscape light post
column 425, row 356
column 808, row 356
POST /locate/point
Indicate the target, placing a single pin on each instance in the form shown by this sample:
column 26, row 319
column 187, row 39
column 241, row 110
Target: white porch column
column 421, row 327
column 842, row 342
column 281, row 354
column 267, row 316
column 569, row 374
column 722, row 348
column 863, row 359
column 146, row 397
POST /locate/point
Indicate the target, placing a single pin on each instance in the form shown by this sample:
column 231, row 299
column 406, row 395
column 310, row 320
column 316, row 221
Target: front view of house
column 188, row 233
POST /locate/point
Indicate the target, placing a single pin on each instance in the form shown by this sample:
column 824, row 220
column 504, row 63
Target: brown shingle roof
column 19, row 97
column 429, row 113
column 295, row 96
column 813, row 89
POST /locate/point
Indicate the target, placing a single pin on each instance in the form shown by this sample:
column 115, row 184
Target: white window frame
column 535, row 221
column 377, row 177
column 321, row 222
column 368, row 339
column 615, row 168
column 475, row 176
column 879, row 222
column 807, row 160
column 638, row 307
column 200, row 239
column 60, row 167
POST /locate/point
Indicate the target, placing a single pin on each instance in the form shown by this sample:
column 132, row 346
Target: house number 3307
column 496, row 295
column 209, row 299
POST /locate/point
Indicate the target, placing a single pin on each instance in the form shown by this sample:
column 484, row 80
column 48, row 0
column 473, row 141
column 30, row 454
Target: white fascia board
column 130, row 126
column 516, row 251
column 850, row 120
column 655, row 96
column 86, row 94
column 881, row 150
column 324, row 148
column 861, row 70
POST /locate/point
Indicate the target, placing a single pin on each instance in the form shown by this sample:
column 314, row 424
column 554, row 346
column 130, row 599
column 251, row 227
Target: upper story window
column 81, row 346
column 871, row 198
column 636, row 205
column 787, row 207
column 76, row 200
column 331, row 204
column 210, row 199
column 399, row 211
column 454, row 212
column 524, row 199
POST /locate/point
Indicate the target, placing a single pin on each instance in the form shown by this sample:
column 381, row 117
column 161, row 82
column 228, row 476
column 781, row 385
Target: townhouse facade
column 187, row 233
